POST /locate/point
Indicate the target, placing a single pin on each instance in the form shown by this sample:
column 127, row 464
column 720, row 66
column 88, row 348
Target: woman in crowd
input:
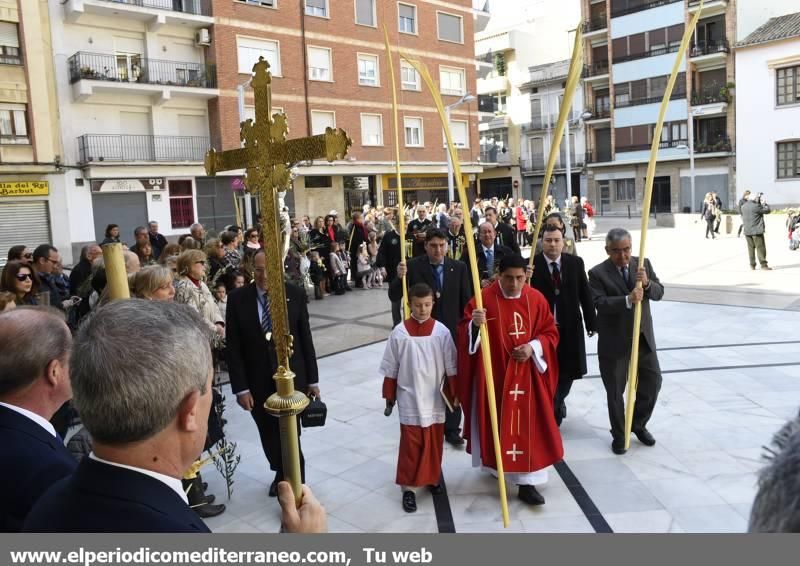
column 154, row 283
column 145, row 253
column 521, row 220
column 709, row 214
column 170, row 250
column 230, row 241
column 251, row 243
column 20, row 280
column 218, row 270
column 112, row 235
column 576, row 213
column 20, row 253
column 190, row 289
column 588, row 218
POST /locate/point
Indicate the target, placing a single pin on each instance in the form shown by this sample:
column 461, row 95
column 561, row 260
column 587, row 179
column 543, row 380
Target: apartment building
column 768, row 67
column 133, row 88
column 32, row 193
column 521, row 48
column 329, row 69
column 631, row 46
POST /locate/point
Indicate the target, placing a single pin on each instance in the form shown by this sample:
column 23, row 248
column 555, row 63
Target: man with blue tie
column 488, row 252
column 614, row 292
column 252, row 361
column 449, row 280
column 34, row 382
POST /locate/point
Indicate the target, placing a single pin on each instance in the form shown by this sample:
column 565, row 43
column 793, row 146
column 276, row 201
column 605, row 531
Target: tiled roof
column 782, row 27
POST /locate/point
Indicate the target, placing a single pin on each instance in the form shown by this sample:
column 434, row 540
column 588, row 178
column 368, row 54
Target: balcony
column 625, row 103
column 495, row 155
column 598, row 115
column 92, row 73
column 709, row 53
column 647, row 146
column 598, row 156
column 155, row 13
column 499, row 42
column 652, row 53
column 710, row 8
column 641, row 7
column 538, row 123
column 491, row 85
column 721, row 145
column 596, row 72
column 595, row 27
column 116, row 148
column 535, row 165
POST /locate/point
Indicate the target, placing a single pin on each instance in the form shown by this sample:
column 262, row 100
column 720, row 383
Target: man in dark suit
column 34, row 382
column 415, row 231
column 488, row 253
column 357, row 235
column 157, row 241
column 614, row 291
column 504, row 232
column 388, row 258
column 147, row 427
column 252, row 361
column 561, row 278
column 450, row 281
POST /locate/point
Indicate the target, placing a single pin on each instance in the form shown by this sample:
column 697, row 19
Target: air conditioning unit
column 202, row 37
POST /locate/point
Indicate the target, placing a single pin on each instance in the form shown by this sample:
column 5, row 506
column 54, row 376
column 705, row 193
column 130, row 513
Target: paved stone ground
column 731, row 365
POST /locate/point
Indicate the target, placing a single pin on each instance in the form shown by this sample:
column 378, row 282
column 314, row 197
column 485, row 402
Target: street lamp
column 450, row 186
column 584, row 116
column 690, row 147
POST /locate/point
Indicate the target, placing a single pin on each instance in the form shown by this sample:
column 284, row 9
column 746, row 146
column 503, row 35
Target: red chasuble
column 529, row 436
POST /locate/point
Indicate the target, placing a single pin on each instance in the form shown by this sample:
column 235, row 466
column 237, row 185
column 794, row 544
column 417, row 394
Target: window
column 365, row 13
column 181, row 204
column 407, row 18
column 319, row 64
column 789, row 160
column 674, row 134
column 451, row 81
column 625, row 190
column 319, row 182
column 317, row 8
column 371, row 129
column 788, row 85
column 459, row 129
column 409, row 77
column 250, row 112
column 9, row 44
column 413, row 127
column 622, row 94
column 321, row 119
column 14, row 124
column 249, row 50
column 368, row 70
column 267, row 3
column 450, row 27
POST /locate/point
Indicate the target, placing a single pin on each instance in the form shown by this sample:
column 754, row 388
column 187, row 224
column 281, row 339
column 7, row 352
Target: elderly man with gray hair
column 614, row 292
column 34, row 382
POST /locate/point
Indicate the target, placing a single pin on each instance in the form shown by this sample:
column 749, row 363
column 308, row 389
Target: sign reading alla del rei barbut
column 128, row 185
column 24, row 189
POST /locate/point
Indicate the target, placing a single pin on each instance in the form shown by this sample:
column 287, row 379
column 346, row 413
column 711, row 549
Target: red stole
column 529, row 436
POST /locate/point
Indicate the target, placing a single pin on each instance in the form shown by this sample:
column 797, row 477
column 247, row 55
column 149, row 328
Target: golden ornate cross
column 267, row 158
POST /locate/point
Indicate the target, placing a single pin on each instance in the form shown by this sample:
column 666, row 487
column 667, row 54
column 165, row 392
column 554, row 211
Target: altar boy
column 419, row 366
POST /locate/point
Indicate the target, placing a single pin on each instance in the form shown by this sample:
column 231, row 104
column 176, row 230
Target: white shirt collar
column 508, row 296
column 41, row 421
column 550, row 261
column 173, row 483
column 485, row 249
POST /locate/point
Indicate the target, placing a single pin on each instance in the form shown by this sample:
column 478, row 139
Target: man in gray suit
column 614, row 291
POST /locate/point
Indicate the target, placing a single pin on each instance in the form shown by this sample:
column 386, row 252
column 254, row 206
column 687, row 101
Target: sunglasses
column 28, row 255
column 24, row 276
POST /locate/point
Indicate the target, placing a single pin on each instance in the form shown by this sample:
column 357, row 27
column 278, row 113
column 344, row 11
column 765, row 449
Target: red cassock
column 529, row 436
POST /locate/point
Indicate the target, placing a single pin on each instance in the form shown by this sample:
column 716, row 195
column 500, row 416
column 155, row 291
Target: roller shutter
column 23, row 223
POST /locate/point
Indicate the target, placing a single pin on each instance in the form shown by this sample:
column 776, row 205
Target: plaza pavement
column 728, row 349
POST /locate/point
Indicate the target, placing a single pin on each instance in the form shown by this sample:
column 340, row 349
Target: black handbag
column 314, row 414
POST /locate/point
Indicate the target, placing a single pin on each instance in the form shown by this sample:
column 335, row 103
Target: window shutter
column 8, row 34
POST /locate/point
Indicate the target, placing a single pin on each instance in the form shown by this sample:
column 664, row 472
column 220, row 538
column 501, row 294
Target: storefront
column 424, row 187
column 24, row 215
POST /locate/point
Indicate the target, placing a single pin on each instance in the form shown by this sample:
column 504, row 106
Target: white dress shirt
column 173, row 483
column 41, row 421
column 550, row 262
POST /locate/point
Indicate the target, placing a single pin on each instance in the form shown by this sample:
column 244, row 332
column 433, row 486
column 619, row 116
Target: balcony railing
column 596, row 69
column 676, row 95
column 494, row 154
column 709, row 96
column 196, row 7
column 598, row 156
column 652, row 53
column 134, row 69
column 123, row 147
column 595, row 24
column 600, row 113
column 709, row 47
column 528, row 165
column 722, row 144
column 647, row 146
column 640, row 7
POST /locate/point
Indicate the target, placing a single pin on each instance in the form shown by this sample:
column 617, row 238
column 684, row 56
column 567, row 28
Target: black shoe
column 205, row 486
column 273, row 487
column 210, row 499
column 409, row 502
column 205, row 511
column 618, row 446
column 645, row 437
column 436, row 489
column 529, row 495
column 454, row 439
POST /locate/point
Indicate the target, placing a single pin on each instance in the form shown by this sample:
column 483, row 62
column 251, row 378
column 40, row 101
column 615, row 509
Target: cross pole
column 267, row 158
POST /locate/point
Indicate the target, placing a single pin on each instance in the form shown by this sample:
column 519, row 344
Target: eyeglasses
column 28, row 255
column 617, row 251
column 53, row 261
column 24, row 276
column 253, row 236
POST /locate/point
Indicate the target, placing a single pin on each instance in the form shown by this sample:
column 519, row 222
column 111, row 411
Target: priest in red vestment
column 523, row 339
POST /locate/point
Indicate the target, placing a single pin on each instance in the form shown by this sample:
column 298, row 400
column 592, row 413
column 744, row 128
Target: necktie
column 626, row 276
column 266, row 317
column 556, row 277
column 438, row 276
column 490, row 261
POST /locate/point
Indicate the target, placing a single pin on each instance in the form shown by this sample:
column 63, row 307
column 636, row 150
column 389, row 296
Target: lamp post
column 450, row 186
column 694, row 112
column 248, row 203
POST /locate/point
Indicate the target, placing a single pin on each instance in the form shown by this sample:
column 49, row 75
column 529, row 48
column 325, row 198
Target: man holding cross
column 523, row 339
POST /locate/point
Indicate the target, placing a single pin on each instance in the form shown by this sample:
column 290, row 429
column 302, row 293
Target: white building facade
column 133, row 89
column 768, row 66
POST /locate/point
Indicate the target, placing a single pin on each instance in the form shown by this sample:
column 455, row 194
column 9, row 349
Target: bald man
column 35, row 348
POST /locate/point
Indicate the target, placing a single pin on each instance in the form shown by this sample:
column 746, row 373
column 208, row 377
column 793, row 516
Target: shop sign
column 128, row 185
column 24, row 189
column 419, row 183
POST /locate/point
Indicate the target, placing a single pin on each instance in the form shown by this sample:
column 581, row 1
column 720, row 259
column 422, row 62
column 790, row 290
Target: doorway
column 662, row 195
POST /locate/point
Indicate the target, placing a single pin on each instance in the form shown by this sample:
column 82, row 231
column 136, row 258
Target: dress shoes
column 766, row 268
column 645, row 437
column 529, row 495
column 409, row 502
column 205, row 511
column 618, row 446
column 454, row 439
column 436, row 489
